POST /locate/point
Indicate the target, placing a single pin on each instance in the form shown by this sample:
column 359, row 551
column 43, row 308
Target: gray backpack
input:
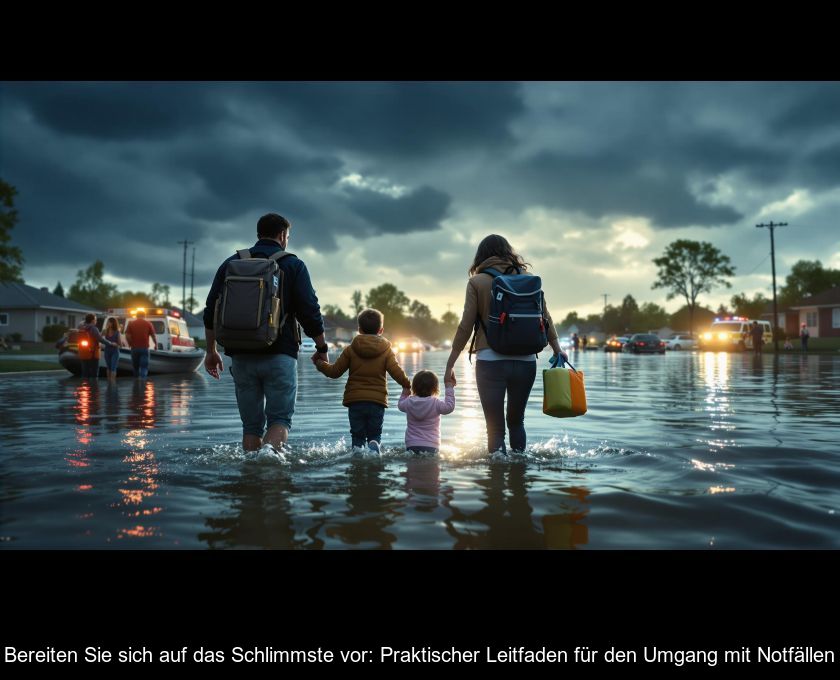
column 249, row 312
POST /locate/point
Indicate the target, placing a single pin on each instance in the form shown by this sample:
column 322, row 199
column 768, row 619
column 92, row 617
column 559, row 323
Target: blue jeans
column 140, row 361
column 112, row 358
column 365, row 422
column 495, row 378
column 266, row 388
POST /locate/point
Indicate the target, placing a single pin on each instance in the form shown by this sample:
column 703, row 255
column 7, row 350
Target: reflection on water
column 691, row 450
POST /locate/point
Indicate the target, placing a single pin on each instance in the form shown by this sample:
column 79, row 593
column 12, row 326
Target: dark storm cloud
column 419, row 210
column 120, row 171
column 237, row 178
column 615, row 184
column 127, row 111
column 393, row 119
column 816, row 110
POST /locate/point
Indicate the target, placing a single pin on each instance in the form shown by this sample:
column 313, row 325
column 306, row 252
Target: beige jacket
column 478, row 302
column 369, row 358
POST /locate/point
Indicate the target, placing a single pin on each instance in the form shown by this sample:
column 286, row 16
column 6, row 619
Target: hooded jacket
column 477, row 303
column 424, row 417
column 368, row 357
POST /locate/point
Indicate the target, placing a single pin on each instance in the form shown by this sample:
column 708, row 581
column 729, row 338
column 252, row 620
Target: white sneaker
column 374, row 447
column 359, row 451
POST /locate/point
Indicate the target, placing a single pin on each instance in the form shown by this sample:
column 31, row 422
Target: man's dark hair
column 370, row 321
column 272, row 225
column 424, row 383
column 90, row 318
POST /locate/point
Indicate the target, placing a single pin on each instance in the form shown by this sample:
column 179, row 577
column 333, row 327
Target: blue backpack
column 516, row 323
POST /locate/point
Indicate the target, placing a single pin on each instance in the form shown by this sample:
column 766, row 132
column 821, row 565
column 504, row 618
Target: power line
column 760, row 263
column 772, row 226
column 192, row 282
column 184, row 276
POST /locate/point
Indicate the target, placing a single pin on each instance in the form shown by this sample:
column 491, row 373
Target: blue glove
column 556, row 361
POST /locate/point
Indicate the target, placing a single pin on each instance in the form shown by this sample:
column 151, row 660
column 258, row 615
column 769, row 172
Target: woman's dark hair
column 497, row 246
column 424, row 383
column 112, row 320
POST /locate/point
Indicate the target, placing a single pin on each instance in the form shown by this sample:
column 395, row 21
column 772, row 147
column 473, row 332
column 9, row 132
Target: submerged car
column 615, row 343
column 683, row 341
column 645, row 343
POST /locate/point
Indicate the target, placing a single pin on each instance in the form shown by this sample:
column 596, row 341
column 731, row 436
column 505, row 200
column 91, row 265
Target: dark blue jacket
column 299, row 301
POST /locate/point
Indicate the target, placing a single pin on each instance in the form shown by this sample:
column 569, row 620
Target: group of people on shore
column 265, row 378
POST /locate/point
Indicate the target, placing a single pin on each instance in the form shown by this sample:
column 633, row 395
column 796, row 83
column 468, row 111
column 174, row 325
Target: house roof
column 21, row 296
column 331, row 322
column 826, row 298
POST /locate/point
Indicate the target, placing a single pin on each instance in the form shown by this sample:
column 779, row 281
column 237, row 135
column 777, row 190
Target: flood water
column 687, row 450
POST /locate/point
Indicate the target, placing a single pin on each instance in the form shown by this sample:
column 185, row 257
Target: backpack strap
column 279, row 255
column 478, row 322
column 244, row 254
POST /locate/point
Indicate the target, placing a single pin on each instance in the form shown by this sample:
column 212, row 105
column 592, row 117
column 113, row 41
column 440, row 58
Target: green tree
column 689, row 268
column 389, row 300
column 612, row 323
column 572, row 319
column 743, row 306
column 131, row 299
column 91, row 289
column 629, row 308
column 11, row 257
column 420, row 311
column 650, row 317
column 449, row 323
column 58, row 290
column 807, row 278
column 160, row 295
column 357, row 302
column 336, row 313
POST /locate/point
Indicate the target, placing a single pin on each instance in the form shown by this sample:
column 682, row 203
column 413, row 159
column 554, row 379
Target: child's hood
column 370, row 346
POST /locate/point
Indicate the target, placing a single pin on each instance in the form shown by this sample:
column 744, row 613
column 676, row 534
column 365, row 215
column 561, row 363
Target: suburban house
column 820, row 313
column 338, row 331
column 26, row 310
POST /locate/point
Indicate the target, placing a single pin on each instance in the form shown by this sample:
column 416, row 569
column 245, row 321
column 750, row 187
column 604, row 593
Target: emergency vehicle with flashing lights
column 175, row 351
column 733, row 333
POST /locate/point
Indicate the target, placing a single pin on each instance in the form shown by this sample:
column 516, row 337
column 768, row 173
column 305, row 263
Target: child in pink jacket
column 424, row 410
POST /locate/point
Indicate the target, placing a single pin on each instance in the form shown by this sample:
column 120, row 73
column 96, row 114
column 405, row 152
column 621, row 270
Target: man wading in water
column 265, row 375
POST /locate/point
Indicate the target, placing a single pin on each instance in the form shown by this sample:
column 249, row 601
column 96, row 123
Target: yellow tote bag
column 564, row 395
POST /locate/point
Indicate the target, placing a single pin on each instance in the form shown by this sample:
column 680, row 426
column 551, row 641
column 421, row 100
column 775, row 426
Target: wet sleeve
column 396, row 372
column 551, row 331
column 447, row 405
column 305, row 304
column 468, row 318
column 337, row 369
column 403, row 402
column 215, row 291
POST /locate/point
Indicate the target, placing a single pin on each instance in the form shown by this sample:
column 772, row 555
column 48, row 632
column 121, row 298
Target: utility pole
column 192, row 281
column 772, row 226
column 184, row 276
column 606, row 295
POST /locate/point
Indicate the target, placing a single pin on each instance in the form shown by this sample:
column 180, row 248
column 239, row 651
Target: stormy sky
column 398, row 182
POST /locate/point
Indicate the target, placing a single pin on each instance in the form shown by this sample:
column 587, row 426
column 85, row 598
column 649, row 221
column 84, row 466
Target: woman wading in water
column 497, row 375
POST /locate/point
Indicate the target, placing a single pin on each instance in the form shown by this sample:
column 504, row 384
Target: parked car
column 645, row 343
column 678, row 342
column 616, row 343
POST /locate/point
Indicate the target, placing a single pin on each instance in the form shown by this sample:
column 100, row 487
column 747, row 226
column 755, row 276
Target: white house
column 26, row 310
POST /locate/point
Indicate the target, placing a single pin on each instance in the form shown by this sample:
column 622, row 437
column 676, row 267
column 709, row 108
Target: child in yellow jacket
column 369, row 357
